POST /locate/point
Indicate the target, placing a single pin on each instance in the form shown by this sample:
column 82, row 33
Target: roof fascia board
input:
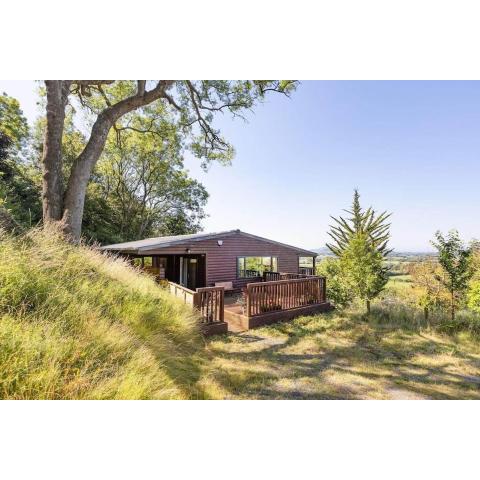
column 186, row 241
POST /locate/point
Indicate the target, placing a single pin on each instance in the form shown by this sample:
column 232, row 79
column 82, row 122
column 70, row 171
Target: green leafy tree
column 5, row 144
column 338, row 289
column 476, row 260
column 363, row 268
column 19, row 187
column 428, row 288
column 455, row 260
column 142, row 106
column 139, row 187
column 360, row 222
column 474, row 296
column 13, row 124
column 147, row 188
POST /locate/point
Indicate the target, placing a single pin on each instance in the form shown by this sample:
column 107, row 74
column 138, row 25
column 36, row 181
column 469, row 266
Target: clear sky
column 412, row 148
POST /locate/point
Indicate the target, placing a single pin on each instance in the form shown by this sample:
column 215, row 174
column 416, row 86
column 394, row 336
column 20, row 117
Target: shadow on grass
column 342, row 357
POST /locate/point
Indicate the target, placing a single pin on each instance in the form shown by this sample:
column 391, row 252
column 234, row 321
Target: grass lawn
column 404, row 278
column 399, row 282
column 340, row 356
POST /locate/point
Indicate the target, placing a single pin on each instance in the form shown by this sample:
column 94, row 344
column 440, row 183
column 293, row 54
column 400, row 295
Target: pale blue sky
column 411, row 148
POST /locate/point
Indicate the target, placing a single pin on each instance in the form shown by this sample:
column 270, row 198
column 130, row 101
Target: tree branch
column 84, row 87
column 141, row 87
column 210, row 135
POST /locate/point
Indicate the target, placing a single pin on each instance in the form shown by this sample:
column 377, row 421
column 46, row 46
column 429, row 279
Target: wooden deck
column 209, row 303
column 261, row 303
column 274, row 301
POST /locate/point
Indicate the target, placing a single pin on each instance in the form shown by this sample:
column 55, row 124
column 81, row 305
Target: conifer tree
column 363, row 269
column 360, row 243
column 360, row 222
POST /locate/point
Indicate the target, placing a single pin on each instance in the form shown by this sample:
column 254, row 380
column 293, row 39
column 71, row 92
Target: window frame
column 139, row 261
column 312, row 268
column 244, row 257
column 306, row 256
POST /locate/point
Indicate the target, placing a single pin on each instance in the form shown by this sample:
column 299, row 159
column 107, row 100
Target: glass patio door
column 188, row 272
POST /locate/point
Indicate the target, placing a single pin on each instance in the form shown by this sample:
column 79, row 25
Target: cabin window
column 147, row 262
column 305, row 262
column 306, row 265
column 248, row 267
column 143, row 262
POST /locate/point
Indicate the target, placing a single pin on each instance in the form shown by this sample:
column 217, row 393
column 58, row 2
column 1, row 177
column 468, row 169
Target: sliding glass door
column 189, row 272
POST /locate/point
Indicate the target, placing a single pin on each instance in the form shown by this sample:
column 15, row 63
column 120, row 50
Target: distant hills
column 325, row 252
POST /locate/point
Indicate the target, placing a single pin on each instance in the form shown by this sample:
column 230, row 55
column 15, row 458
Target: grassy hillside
column 76, row 324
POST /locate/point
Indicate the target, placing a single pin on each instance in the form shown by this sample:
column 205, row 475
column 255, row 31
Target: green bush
column 474, row 296
column 75, row 323
column 338, row 291
column 396, row 313
column 465, row 321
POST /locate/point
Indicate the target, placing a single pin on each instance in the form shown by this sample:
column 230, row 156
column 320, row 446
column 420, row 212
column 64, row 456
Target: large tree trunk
column 69, row 207
column 52, row 195
column 80, row 174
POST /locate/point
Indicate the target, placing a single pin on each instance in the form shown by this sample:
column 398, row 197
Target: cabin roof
column 140, row 246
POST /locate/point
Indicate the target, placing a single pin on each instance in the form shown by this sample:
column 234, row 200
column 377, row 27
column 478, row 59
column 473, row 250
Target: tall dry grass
column 75, row 323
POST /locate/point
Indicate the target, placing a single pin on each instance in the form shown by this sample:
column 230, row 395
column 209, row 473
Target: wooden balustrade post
column 222, row 307
column 196, row 300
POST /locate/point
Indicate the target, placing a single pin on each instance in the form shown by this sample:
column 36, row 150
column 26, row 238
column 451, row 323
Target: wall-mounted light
column 188, row 250
column 220, row 243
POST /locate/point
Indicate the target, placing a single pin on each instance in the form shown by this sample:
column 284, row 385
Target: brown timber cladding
column 221, row 260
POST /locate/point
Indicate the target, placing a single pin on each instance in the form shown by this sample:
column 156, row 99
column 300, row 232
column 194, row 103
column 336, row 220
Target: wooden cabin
column 209, row 259
column 277, row 281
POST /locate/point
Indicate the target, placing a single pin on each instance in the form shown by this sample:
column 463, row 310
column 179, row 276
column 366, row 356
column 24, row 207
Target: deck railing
column 209, row 301
column 306, row 270
column 273, row 296
column 276, row 276
column 185, row 294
